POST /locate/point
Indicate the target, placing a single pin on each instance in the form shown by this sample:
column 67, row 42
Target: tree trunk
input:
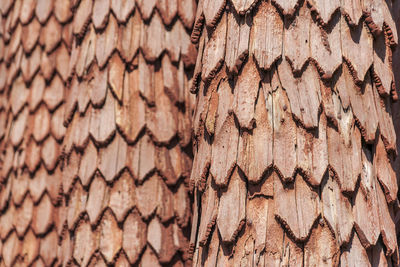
column 95, row 133
column 295, row 146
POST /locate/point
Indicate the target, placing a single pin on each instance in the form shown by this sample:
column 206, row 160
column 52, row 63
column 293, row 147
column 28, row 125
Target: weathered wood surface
column 311, row 89
column 294, row 121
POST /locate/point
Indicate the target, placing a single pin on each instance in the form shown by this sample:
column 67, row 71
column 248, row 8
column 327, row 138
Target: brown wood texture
column 295, row 154
column 294, row 117
column 95, row 132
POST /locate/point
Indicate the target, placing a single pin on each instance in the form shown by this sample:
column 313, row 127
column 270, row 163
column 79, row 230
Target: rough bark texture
column 95, row 134
column 295, row 155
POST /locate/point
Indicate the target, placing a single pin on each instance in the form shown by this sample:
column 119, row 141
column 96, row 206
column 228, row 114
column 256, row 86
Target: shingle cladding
column 300, row 98
column 294, row 132
column 95, row 132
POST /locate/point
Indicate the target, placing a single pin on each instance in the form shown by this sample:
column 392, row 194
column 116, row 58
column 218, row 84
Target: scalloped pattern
column 294, row 122
column 303, row 137
column 95, row 132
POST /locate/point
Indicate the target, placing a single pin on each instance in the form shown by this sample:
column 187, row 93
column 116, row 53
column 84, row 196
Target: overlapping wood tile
column 357, row 49
column 38, row 186
column 237, row 42
column 127, row 100
column 297, row 38
column 232, row 205
column 323, row 108
column 214, row 51
column 266, row 36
